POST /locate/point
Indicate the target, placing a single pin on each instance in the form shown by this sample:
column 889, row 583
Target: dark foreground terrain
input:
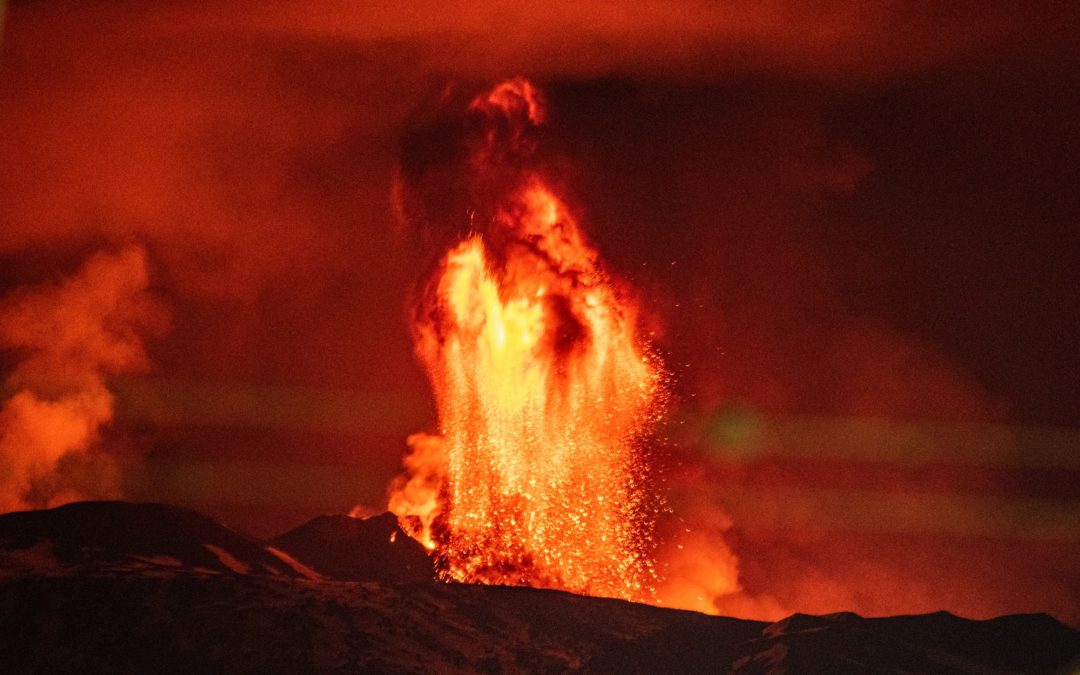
column 96, row 588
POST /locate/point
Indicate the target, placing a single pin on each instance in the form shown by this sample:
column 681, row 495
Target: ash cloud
column 68, row 338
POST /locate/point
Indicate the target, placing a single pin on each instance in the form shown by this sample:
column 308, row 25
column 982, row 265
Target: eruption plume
column 543, row 388
column 69, row 337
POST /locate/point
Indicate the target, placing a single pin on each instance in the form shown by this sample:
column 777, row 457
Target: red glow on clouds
column 869, row 319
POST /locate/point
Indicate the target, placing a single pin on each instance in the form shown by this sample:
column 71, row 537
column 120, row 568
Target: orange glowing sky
column 852, row 228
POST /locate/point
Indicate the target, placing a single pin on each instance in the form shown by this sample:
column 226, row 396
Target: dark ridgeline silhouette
column 354, row 549
column 116, row 587
column 117, row 536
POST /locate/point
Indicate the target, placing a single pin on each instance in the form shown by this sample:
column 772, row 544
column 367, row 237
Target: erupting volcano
column 544, row 389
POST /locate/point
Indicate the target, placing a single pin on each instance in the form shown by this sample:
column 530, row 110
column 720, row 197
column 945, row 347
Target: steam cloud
column 68, row 337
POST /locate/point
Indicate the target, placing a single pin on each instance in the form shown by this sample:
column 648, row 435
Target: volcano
column 94, row 537
column 118, row 587
column 354, row 549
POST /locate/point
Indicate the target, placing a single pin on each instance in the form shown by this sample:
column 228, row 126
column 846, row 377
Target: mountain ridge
column 134, row 588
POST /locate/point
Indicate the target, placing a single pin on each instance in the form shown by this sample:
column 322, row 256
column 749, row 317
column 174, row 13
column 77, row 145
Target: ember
column 544, row 391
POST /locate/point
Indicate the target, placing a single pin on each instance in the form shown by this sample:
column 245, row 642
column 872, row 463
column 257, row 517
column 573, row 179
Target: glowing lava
column 543, row 391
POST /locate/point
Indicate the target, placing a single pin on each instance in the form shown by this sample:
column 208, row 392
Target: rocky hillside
column 137, row 588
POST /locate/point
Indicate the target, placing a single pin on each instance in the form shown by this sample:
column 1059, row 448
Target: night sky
column 854, row 229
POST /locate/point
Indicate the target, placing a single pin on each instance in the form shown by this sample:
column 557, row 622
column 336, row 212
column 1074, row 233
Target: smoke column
column 67, row 338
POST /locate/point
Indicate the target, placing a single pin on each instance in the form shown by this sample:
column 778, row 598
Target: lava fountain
column 544, row 389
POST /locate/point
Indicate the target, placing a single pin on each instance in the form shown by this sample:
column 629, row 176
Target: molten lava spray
column 543, row 387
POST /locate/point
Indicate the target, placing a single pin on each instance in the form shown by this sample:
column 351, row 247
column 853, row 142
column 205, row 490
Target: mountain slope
column 353, row 549
column 135, row 588
column 222, row 623
column 122, row 536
